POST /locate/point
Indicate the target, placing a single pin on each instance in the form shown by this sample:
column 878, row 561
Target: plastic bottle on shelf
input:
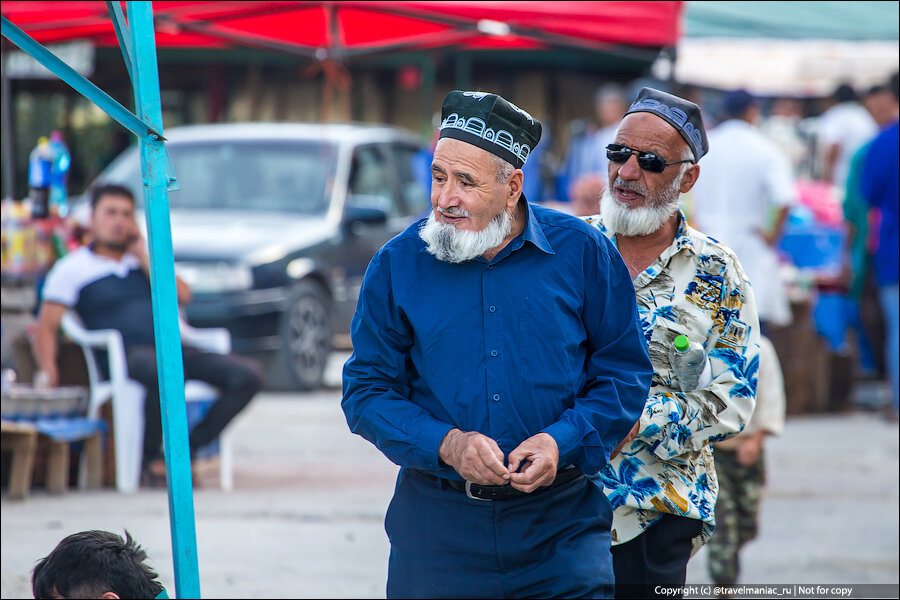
column 40, row 165
column 59, row 174
column 689, row 364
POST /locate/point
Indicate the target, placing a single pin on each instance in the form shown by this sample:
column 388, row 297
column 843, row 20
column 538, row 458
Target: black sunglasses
column 648, row 161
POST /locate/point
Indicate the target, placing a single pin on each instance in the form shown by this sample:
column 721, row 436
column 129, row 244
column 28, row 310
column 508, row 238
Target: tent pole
column 157, row 178
column 165, row 305
column 121, row 27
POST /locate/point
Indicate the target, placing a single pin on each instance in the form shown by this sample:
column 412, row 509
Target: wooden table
column 21, row 440
column 51, row 414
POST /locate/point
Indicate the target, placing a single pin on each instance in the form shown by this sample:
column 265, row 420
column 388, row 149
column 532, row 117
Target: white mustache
column 630, row 185
column 454, row 211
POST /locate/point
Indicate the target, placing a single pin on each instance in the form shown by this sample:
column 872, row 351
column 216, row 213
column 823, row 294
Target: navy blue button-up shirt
column 543, row 338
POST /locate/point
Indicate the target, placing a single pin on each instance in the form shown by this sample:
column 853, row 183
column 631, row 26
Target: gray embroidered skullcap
column 681, row 114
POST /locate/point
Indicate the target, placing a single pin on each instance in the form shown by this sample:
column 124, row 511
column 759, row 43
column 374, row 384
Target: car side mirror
column 366, row 209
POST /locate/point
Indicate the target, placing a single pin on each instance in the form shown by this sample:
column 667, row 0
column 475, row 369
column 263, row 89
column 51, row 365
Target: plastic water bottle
column 689, row 363
column 59, row 173
column 40, row 165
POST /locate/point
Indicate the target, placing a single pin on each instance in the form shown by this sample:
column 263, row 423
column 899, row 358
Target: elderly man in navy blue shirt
column 497, row 357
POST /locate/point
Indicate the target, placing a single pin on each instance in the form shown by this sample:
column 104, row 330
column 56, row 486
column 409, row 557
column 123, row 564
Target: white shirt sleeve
column 828, row 128
column 61, row 284
column 770, row 398
column 780, row 178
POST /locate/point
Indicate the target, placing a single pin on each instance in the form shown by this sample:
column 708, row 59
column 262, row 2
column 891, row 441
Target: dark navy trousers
column 553, row 544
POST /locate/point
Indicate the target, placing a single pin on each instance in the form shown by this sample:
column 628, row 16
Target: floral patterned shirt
column 697, row 288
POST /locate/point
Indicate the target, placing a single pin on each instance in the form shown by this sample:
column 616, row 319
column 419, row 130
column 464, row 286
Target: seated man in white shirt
column 107, row 283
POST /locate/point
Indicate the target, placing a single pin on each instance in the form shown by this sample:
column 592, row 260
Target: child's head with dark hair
column 95, row 564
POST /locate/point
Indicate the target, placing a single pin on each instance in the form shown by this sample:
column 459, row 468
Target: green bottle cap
column 682, row 343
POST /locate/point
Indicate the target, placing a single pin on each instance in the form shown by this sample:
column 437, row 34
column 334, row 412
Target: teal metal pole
column 165, row 304
column 78, row 82
column 121, row 27
column 139, row 50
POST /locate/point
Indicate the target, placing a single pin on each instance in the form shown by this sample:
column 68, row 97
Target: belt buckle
column 469, row 493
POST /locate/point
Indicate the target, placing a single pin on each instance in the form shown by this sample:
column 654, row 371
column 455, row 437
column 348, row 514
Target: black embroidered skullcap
column 681, row 114
column 492, row 123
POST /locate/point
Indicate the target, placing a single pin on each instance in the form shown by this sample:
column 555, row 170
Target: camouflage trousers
column 737, row 508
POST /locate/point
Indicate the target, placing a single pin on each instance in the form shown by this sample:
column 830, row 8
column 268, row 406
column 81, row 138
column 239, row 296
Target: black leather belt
column 505, row 491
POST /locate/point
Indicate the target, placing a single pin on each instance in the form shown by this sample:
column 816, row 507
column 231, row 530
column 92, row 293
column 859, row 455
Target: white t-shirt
column 106, row 293
column 849, row 126
column 743, row 179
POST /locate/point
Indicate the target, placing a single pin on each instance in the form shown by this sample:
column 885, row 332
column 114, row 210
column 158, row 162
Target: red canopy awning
column 342, row 30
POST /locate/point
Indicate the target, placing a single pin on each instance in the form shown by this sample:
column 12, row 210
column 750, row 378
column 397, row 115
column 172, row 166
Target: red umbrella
column 343, row 30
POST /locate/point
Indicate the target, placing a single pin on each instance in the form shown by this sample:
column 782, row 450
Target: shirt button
column 493, row 309
column 494, row 353
column 496, row 397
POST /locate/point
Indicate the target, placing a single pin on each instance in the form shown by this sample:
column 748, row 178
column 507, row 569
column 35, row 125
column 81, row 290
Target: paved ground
column 305, row 519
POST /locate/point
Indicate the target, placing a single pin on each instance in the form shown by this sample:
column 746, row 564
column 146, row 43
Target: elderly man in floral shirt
column 662, row 481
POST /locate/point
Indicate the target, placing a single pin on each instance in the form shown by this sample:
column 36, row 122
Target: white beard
column 449, row 244
column 630, row 221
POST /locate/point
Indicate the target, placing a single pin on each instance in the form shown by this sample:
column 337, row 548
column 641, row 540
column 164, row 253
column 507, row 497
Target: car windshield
column 245, row 175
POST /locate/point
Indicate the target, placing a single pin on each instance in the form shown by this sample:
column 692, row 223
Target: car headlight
column 215, row 277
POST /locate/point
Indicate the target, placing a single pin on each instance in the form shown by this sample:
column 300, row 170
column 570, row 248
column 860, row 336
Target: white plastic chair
column 127, row 395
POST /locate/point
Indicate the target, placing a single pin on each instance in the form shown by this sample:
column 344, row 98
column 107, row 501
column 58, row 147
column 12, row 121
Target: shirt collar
column 534, row 233
column 127, row 258
column 684, row 240
column 684, row 237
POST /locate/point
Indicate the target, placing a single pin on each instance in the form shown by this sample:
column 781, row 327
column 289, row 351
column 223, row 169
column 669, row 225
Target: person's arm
column 872, row 180
column 781, row 191
column 376, row 386
column 138, row 247
column 45, row 346
column 831, row 157
column 676, row 422
column 617, row 369
column 59, row 293
column 771, row 237
column 749, row 448
column 856, row 219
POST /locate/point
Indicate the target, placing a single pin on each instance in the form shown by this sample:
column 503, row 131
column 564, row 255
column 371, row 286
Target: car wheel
column 306, row 337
